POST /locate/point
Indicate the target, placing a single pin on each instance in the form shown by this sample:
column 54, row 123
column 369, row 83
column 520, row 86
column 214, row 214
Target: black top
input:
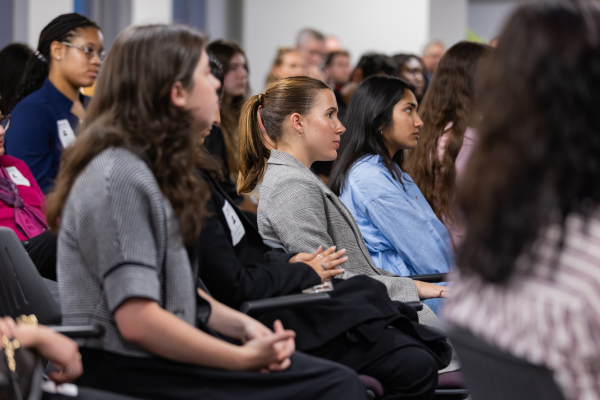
column 235, row 274
column 215, row 145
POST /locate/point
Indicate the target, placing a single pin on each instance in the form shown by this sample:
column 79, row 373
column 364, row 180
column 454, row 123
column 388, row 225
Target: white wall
column 448, row 20
column 151, row 12
column 40, row 13
column 388, row 26
column 488, row 19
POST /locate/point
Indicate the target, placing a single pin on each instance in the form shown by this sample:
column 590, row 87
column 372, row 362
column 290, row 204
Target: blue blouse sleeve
column 410, row 233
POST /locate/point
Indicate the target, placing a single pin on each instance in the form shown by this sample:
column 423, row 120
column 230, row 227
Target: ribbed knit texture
column 114, row 234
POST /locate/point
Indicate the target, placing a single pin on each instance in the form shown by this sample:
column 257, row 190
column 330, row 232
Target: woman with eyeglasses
column 49, row 105
column 22, row 208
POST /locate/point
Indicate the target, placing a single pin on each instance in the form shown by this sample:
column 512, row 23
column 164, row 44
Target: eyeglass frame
column 5, row 118
column 88, row 52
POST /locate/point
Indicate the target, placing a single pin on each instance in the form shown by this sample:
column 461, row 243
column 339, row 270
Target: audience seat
column 493, row 374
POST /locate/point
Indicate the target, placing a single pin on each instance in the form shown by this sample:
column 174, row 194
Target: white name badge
column 65, row 133
column 17, row 177
column 234, row 222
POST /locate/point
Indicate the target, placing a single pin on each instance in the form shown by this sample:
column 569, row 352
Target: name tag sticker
column 234, row 223
column 17, row 177
column 65, row 133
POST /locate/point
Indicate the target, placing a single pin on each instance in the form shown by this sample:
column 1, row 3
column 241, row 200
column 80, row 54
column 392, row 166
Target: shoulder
column 369, row 178
column 35, row 100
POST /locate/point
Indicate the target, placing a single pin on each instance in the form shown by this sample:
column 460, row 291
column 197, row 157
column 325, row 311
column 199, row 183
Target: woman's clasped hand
column 324, row 263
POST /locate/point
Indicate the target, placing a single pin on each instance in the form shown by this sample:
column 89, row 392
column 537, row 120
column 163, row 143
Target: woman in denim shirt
column 402, row 232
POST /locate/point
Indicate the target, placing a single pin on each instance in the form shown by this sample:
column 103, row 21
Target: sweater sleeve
column 132, row 215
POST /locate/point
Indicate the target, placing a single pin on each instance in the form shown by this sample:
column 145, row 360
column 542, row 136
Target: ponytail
column 267, row 113
column 253, row 151
column 60, row 29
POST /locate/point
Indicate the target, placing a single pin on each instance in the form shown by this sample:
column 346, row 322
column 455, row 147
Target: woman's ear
column 56, row 51
column 297, row 122
column 178, row 95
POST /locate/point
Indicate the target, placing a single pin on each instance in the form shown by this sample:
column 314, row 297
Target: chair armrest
column 283, row 302
column 79, row 331
column 417, row 305
column 431, row 278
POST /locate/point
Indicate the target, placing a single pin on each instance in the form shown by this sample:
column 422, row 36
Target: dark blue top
column 33, row 134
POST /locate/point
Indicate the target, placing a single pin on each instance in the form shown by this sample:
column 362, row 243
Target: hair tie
column 40, row 56
column 260, row 99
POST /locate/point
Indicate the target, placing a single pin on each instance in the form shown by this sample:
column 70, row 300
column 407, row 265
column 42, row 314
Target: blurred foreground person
column 530, row 262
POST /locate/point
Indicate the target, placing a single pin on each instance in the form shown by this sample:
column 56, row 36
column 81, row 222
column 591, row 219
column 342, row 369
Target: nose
column 340, row 128
column 418, row 121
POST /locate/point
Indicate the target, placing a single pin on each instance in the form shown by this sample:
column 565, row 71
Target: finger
column 330, row 273
column 336, row 255
column 329, row 251
column 280, row 336
column 335, row 263
column 277, row 326
column 319, row 250
column 280, row 366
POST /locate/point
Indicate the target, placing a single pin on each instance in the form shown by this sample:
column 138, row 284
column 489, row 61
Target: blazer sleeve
column 297, row 217
column 232, row 282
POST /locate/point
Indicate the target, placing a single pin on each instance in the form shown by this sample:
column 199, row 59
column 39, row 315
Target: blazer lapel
column 280, row 157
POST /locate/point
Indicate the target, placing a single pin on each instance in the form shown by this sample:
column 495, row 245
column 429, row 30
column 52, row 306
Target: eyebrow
column 411, row 104
column 331, row 109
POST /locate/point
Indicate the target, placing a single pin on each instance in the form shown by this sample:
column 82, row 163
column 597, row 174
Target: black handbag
column 25, row 382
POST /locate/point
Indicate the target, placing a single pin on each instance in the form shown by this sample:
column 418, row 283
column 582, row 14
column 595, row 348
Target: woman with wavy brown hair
column 447, row 138
column 128, row 200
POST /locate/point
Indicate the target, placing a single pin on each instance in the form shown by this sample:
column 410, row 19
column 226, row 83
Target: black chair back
column 493, row 374
column 22, row 290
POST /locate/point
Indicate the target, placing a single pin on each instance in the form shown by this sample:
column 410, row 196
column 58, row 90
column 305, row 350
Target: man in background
column 337, row 68
column 311, row 45
column 432, row 53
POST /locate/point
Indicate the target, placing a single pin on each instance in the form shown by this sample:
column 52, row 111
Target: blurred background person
column 288, row 62
column 448, row 137
column 49, row 103
column 235, row 88
column 13, row 59
column 311, row 45
column 332, row 43
column 337, row 68
column 432, row 54
column 412, row 69
column 530, row 262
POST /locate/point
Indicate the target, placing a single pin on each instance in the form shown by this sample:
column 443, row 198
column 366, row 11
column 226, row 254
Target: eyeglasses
column 88, row 52
column 5, row 121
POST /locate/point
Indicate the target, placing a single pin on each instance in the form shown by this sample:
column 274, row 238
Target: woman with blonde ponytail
column 297, row 210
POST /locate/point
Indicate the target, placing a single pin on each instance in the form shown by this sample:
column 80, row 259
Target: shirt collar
column 52, row 93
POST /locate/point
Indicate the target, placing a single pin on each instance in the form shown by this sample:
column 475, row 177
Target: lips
column 337, row 143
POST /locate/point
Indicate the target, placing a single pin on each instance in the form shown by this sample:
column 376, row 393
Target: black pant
column 157, row 378
column 404, row 368
column 42, row 251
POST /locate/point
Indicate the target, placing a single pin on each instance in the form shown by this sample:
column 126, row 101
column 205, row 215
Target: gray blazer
column 299, row 212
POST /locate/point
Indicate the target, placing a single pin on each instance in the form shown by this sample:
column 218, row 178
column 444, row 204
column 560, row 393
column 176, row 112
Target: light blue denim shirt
column 403, row 234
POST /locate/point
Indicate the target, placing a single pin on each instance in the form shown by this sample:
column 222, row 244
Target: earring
column 58, row 57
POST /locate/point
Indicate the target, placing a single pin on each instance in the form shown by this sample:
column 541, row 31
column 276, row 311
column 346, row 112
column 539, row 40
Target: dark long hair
column 60, row 29
column 132, row 108
column 370, row 111
column 223, row 51
column 450, row 98
column 13, row 59
column 282, row 99
column 538, row 156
